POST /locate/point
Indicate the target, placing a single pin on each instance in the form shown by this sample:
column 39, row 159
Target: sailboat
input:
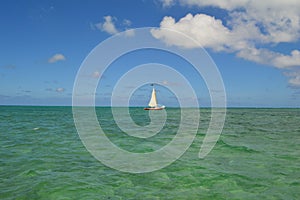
column 153, row 102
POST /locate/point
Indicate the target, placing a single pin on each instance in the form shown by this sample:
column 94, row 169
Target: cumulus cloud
column 109, row 26
column 56, row 58
column 249, row 26
column 285, row 61
column 210, row 32
column 249, row 23
column 205, row 30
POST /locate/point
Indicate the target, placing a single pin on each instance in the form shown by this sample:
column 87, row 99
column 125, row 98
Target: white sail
column 153, row 101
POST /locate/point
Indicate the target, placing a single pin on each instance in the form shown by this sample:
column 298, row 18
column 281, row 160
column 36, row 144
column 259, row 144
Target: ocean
column 256, row 157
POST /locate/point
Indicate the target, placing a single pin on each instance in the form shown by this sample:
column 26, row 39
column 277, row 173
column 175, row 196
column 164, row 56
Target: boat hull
column 159, row 108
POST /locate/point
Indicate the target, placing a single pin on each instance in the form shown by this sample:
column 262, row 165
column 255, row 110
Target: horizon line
column 105, row 106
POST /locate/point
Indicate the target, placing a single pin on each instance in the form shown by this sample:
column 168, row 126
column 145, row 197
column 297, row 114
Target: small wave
column 237, row 148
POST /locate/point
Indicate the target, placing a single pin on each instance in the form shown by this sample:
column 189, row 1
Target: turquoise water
column 42, row 157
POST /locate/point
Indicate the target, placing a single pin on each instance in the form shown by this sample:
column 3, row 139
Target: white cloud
column 245, row 4
column 224, row 4
column 205, row 30
column 56, row 58
column 208, row 32
column 129, row 33
column 265, row 56
column 278, row 60
column 295, row 81
column 249, row 25
column 167, row 3
column 284, row 61
column 60, row 90
column 294, row 78
column 168, row 83
column 240, row 33
column 127, row 22
column 96, row 74
column 277, row 21
column 109, row 26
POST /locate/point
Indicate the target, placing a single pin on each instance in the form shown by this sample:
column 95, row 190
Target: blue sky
column 255, row 45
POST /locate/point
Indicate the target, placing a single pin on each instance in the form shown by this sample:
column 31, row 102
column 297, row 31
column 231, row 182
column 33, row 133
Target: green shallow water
column 256, row 157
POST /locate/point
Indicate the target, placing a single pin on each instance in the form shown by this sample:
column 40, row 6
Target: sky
column 255, row 46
